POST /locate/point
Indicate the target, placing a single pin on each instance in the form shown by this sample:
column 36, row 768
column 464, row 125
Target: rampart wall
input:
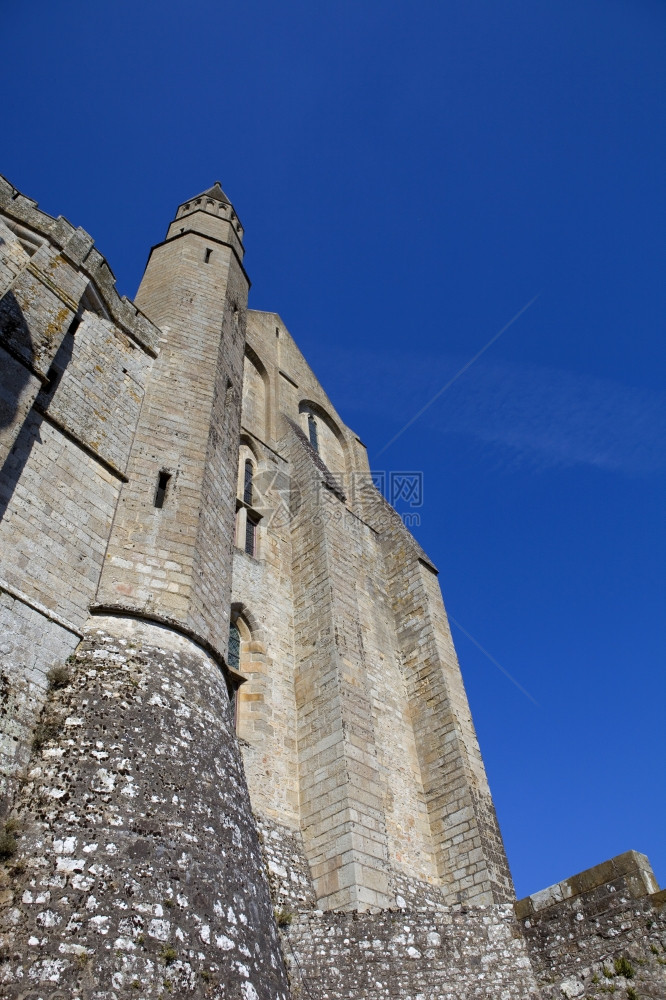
column 74, row 357
column 601, row 932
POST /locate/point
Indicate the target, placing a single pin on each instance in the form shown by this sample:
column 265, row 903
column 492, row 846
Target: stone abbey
column 236, row 755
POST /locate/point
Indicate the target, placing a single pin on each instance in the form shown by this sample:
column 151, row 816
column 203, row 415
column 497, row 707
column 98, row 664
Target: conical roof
column 215, row 192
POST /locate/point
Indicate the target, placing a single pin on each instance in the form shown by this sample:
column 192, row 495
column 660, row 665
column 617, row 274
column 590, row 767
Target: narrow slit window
column 208, row 254
column 233, row 701
column 312, row 428
column 250, row 536
column 160, row 492
column 247, row 482
column 233, row 662
column 233, row 656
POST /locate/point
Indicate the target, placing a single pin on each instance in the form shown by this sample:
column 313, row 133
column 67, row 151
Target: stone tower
column 169, row 553
column 229, row 696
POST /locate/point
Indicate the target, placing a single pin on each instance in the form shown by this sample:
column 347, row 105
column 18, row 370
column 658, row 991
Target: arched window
column 247, row 482
column 233, row 662
column 247, row 680
column 248, row 516
column 325, row 437
column 250, row 534
column 233, row 655
column 312, row 429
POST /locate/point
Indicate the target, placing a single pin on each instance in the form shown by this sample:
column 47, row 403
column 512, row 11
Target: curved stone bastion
column 138, row 870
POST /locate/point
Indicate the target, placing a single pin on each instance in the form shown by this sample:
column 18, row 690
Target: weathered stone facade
column 600, row 932
column 227, row 679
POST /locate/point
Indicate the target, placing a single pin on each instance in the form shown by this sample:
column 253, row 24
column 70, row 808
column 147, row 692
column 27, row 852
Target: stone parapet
column 599, row 932
column 464, row 953
column 77, row 248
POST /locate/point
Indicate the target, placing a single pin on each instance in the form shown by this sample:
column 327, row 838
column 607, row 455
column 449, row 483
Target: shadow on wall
column 15, row 334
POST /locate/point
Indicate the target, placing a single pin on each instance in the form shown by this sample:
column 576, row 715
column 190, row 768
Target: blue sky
column 410, row 176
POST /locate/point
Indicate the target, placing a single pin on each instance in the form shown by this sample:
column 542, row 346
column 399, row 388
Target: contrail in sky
column 493, row 660
column 457, row 375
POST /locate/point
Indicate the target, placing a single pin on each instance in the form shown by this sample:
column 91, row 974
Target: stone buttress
column 357, row 663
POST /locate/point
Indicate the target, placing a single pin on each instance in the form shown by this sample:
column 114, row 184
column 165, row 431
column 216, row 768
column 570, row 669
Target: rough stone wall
column 31, row 644
column 288, row 869
column 465, row 953
column 601, row 932
column 138, row 870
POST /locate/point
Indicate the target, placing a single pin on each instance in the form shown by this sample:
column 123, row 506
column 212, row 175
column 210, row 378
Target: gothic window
column 233, row 656
column 247, row 482
column 312, row 429
column 248, row 515
column 250, row 535
column 246, row 659
column 324, row 436
column 233, row 661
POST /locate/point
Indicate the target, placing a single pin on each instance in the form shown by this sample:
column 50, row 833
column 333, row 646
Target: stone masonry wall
column 262, row 592
column 73, row 362
column 341, row 788
column 31, row 644
column 599, row 933
column 409, row 841
column 138, row 871
column 463, row 954
column 368, row 609
column 402, row 798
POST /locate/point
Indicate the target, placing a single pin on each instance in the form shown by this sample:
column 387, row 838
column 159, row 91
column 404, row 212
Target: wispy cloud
column 543, row 416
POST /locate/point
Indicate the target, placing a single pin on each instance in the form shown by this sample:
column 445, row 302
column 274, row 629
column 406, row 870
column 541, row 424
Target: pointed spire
column 217, row 193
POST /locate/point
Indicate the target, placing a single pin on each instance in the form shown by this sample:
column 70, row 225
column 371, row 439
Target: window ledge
column 237, row 676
